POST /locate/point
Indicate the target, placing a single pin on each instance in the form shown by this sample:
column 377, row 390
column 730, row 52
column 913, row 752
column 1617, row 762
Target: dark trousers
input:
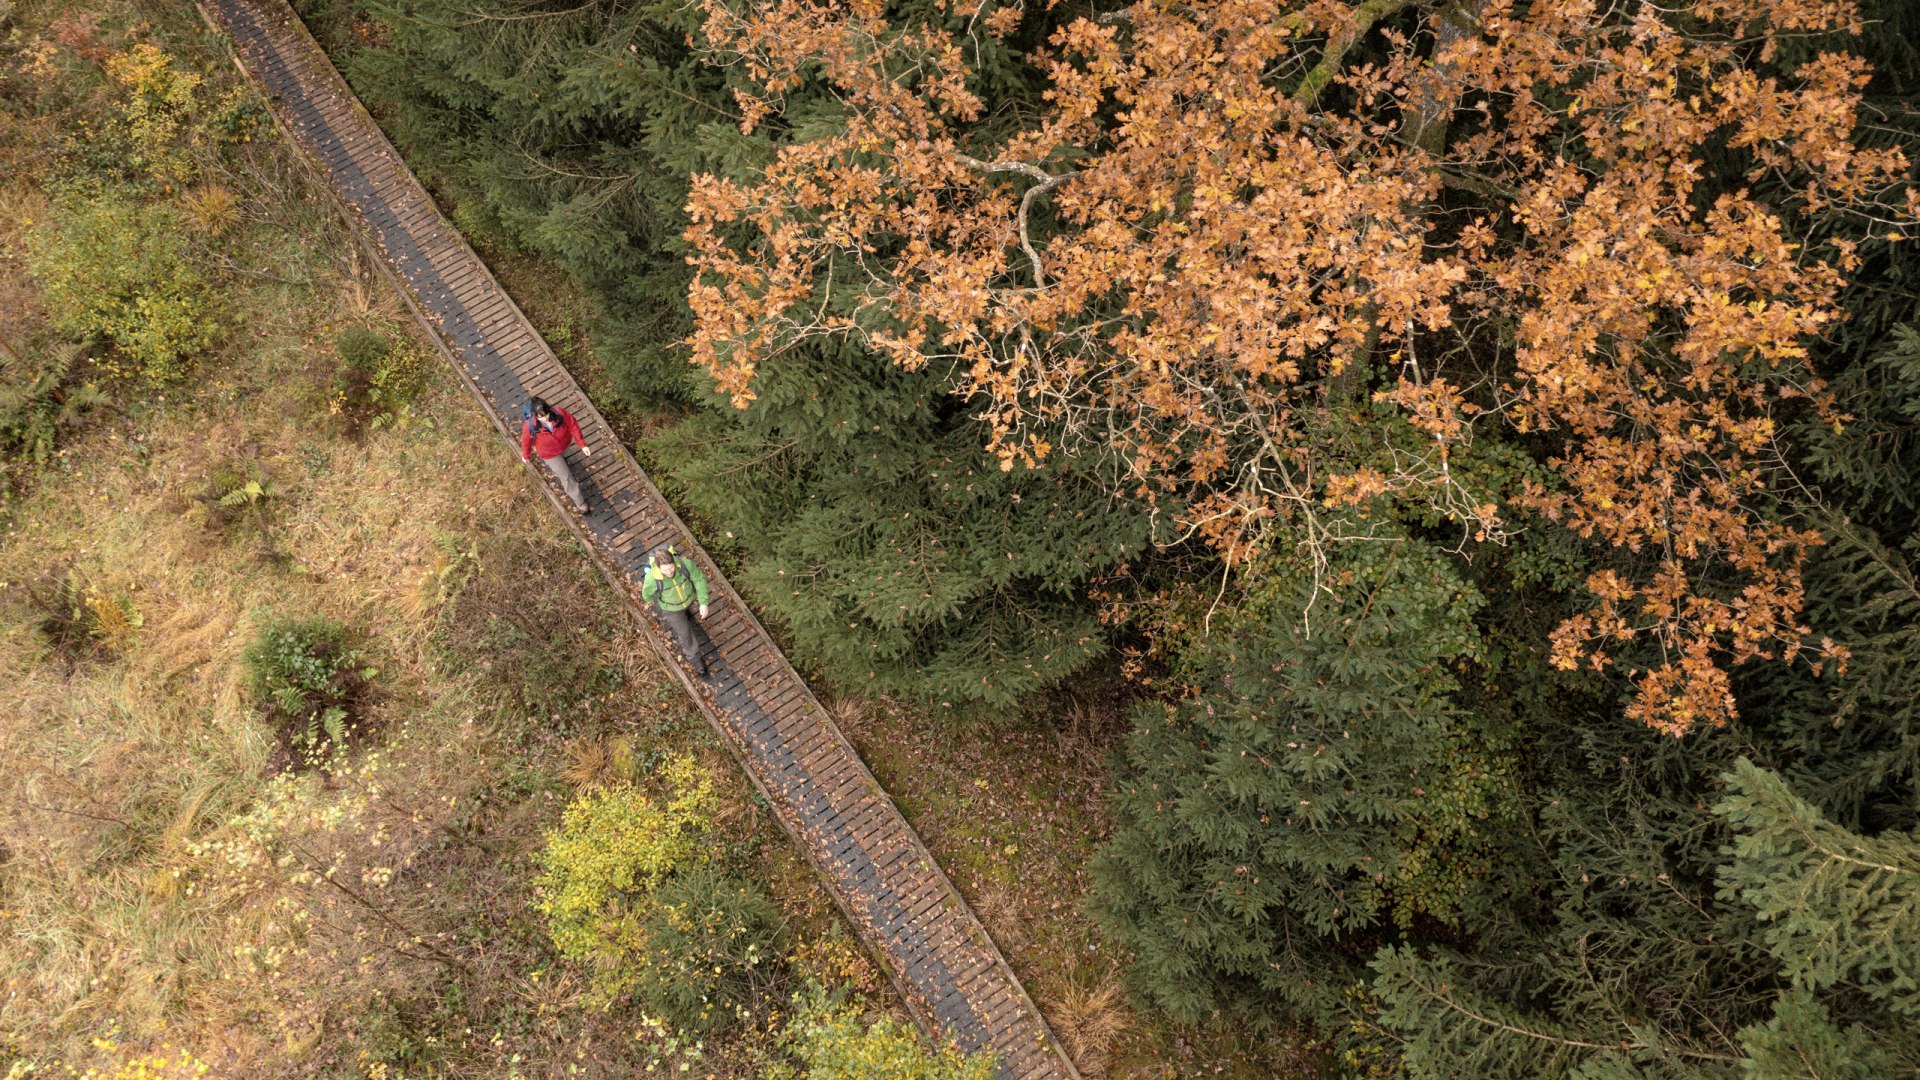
column 681, row 623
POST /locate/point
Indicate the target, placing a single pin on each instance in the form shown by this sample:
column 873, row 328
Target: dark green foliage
column 1800, row 1042
column 1868, row 461
column 1321, row 788
column 1852, row 743
column 1838, row 907
column 1605, row 937
column 898, row 553
column 713, row 945
column 310, row 682
column 1649, row 940
column 362, row 349
column 568, row 133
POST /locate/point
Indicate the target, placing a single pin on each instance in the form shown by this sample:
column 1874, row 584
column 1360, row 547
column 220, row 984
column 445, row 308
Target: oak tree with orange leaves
column 1235, row 228
column 1441, row 327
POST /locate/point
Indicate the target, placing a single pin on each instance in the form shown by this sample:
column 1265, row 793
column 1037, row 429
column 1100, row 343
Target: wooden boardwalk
column 874, row 865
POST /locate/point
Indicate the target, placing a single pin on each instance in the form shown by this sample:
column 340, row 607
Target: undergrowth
column 312, row 684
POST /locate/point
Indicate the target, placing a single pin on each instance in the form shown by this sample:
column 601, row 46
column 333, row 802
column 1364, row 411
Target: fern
column 40, row 400
column 311, row 682
column 250, row 492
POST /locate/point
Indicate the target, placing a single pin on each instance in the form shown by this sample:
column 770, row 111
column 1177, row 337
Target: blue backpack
column 526, row 418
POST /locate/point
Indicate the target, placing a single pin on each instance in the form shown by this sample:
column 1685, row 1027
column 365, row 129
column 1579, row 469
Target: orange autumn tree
column 1231, row 224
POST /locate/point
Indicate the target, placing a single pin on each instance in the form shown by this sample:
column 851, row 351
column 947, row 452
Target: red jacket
column 550, row 442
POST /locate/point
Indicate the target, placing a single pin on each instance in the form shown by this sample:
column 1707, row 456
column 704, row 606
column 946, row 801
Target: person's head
column 542, row 411
column 663, row 560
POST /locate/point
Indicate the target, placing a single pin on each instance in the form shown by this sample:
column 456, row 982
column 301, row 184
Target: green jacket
column 675, row 593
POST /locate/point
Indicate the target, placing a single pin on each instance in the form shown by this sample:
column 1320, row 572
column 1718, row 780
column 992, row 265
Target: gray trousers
column 557, row 465
column 681, row 623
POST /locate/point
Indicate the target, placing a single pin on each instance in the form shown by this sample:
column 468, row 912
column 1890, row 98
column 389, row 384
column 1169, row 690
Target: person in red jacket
column 548, row 431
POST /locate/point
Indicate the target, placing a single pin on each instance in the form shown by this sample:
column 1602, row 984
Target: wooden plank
column 937, row 936
column 802, row 760
column 760, row 670
column 790, row 705
column 552, row 385
column 877, row 836
column 826, row 778
column 797, row 725
column 845, row 785
column 797, row 773
column 726, row 619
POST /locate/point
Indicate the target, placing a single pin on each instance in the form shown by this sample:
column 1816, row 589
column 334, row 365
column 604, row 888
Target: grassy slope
column 506, row 669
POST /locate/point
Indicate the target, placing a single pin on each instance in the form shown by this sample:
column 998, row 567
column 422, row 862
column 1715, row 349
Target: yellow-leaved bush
column 158, row 101
column 832, row 1041
column 630, row 892
column 614, row 842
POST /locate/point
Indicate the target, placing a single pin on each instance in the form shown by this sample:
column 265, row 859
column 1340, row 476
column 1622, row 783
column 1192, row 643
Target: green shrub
column 117, row 268
column 482, row 225
column 629, row 891
column 376, row 379
column 710, row 949
column 831, row 1041
column 311, row 684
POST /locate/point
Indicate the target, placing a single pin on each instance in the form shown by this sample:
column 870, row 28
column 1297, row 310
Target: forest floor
column 165, row 879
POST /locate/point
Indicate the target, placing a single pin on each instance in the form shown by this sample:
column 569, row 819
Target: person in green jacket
column 672, row 584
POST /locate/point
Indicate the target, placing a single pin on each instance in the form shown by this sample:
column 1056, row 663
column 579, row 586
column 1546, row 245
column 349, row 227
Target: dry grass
column 599, row 761
column 1089, row 1017
column 1001, row 911
column 110, row 771
column 115, row 776
column 158, row 882
column 850, row 709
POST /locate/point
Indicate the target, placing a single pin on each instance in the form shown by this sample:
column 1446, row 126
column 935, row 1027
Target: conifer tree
column 1839, row 908
column 1318, row 787
column 898, row 553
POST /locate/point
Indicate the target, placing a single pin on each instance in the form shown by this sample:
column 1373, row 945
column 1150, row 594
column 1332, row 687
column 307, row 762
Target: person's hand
column 703, row 611
column 525, row 460
column 587, row 450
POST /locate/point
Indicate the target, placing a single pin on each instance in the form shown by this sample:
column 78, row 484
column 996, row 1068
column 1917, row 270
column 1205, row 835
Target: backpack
column 684, row 570
column 527, row 421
